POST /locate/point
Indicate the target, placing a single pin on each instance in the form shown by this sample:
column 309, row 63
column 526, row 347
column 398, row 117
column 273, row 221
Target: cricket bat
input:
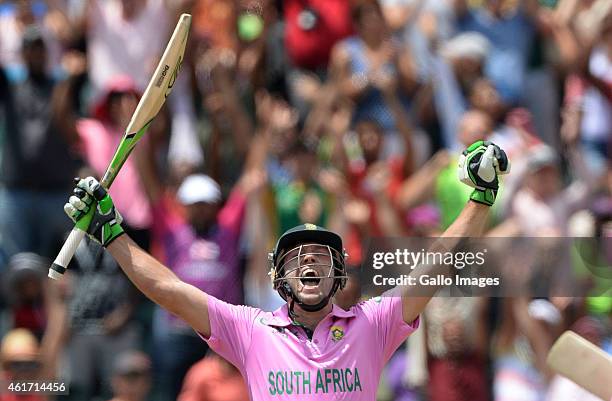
column 583, row 363
column 152, row 100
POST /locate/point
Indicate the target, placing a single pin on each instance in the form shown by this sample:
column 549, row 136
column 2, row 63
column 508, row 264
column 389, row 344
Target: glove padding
column 105, row 225
column 480, row 165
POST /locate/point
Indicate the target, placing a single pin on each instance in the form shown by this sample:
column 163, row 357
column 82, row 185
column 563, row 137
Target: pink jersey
column 343, row 361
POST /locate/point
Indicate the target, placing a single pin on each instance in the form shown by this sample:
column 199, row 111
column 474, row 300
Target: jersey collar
column 280, row 317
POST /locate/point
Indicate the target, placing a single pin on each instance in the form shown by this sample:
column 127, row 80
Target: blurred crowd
column 350, row 114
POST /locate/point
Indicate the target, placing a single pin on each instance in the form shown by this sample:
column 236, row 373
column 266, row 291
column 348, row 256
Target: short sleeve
column 231, row 329
column 385, row 313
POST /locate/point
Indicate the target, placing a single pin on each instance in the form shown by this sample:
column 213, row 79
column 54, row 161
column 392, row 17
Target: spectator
column 101, row 311
column 19, row 354
column 511, row 30
column 5, row 112
column 15, row 18
column 301, row 198
column 589, row 106
column 522, row 342
column 372, row 179
column 456, row 345
column 131, row 377
column 22, row 357
column 294, row 195
column 312, row 29
column 37, row 161
column 199, row 240
column 459, row 65
column 543, row 192
column 141, row 25
column 214, row 379
column 436, row 179
column 24, row 290
column 364, row 63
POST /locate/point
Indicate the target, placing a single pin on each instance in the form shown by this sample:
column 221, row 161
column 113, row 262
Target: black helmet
column 307, row 234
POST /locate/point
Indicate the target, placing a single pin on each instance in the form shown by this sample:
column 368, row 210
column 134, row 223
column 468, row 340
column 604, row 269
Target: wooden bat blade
column 583, row 363
column 154, row 96
column 152, row 100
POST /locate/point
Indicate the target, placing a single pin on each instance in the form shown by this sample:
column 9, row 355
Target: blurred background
column 347, row 114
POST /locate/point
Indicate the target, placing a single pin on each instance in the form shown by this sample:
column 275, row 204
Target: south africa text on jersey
column 324, row 381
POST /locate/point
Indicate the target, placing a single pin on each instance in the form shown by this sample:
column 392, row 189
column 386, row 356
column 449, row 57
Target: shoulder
column 368, row 308
column 243, row 312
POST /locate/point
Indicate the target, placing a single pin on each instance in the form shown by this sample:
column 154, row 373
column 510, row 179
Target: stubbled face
column 312, row 264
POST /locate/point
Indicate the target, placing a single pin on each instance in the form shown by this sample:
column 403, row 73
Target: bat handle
column 57, row 269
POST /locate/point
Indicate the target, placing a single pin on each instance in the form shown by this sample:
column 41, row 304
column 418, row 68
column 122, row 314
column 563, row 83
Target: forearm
column 320, row 113
column 151, row 277
column 420, row 186
column 161, row 285
column 64, row 117
column 470, row 223
column 240, row 122
column 258, row 152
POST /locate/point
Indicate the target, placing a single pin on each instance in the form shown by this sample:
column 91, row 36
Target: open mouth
column 310, row 278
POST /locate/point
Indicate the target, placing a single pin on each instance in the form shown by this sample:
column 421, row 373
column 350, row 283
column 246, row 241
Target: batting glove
column 480, row 165
column 105, row 225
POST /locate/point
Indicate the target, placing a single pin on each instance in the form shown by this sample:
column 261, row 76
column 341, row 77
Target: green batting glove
column 105, row 221
column 480, row 165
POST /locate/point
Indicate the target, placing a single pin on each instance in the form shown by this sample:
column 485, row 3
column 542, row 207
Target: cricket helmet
column 302, row 238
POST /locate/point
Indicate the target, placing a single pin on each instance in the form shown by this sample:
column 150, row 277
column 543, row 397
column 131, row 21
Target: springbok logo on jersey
column 337, row 333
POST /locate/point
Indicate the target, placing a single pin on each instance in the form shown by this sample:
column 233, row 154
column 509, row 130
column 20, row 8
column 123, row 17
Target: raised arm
column 350, row 85
column 63, row 113
column 161, row 285
column 154, row 279
column 479, row 167
column 389, row 86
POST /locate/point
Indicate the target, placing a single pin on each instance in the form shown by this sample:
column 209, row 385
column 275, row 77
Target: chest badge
column 337, row 333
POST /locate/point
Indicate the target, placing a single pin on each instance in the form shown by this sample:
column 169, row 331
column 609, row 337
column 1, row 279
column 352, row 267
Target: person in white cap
column 197, row 236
